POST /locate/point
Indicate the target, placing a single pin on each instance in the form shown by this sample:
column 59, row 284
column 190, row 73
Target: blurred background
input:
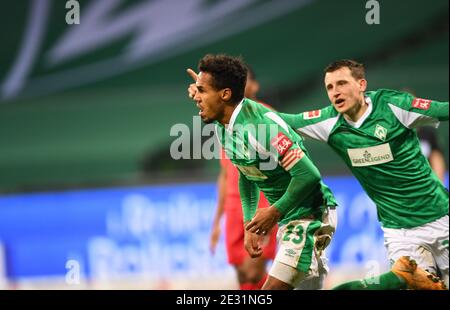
column 89, row 194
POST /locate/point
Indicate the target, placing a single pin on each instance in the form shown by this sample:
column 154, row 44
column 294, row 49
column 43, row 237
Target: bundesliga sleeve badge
column 423, row 104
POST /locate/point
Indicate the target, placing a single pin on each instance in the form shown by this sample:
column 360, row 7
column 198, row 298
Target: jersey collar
column 234, row 115
column 366, row 114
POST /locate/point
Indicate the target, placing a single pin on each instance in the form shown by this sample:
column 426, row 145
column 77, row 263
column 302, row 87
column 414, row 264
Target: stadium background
column 89, row 195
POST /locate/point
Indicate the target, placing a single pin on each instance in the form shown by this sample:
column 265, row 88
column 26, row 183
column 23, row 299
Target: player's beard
column 213, row 117
column 207, row 120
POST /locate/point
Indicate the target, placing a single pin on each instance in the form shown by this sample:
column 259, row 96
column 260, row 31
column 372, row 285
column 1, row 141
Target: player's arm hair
column 305, row 178
column 249, row 193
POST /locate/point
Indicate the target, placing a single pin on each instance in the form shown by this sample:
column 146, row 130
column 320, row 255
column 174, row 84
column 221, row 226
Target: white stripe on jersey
column 411, row 119
column 257, row 146
column 277, row 120
column 319, row 131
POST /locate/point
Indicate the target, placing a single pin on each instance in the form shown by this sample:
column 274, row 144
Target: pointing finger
column 192, row 73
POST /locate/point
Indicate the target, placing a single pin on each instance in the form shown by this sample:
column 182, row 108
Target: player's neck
column 228, row 113
column 355, row 113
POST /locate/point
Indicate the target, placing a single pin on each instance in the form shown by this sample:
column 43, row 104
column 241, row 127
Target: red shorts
column 234, row 235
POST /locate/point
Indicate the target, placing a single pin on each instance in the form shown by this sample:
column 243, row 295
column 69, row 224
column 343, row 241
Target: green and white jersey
column 265, row 150
column 383, row 153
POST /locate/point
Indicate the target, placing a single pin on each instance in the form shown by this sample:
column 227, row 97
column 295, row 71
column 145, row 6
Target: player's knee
column 275, row 284
column 251, row 272
column 255, row 275
column 241, row 274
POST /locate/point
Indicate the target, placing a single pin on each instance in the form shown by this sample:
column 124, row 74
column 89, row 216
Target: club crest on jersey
column 423, row 104
column 312, row 114
column 380, row 132
column 281, row 143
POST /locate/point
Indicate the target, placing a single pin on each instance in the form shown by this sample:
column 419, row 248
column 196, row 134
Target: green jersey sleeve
column 249, row 193
column 285, row 146
column 411, row 111
column 305, row 178
column 315, row 124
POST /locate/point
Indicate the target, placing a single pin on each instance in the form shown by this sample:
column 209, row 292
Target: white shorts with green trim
column 301, row 245
column 426, row 244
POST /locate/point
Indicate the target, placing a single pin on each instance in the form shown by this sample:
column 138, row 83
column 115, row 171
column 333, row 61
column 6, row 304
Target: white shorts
column 300, row 257
column 426, row 244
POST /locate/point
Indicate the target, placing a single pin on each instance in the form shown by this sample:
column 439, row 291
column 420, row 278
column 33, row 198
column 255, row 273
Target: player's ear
column 362, row 85
column 226, row 94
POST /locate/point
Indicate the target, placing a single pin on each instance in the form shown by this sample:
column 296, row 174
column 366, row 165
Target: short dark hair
column 227, row 72
column 357, row 69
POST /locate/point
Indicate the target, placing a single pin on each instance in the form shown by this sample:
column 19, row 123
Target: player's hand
column 214, row 238
column 192, row 89
column 264, row 220
column 252, row 244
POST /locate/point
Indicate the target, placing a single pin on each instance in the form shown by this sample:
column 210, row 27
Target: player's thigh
column 426, row 244
column 398, row 244
column 439, row 230
column 439, row 233
column 252, row 269
column 234, row 236
column 297, row 258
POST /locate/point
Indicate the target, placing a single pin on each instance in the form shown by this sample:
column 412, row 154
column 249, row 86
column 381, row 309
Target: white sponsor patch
column 370, row 156
column 252, row 172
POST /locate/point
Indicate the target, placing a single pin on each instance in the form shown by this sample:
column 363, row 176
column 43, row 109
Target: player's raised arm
column 415, row 112
column 315, row 124
column 293, row 120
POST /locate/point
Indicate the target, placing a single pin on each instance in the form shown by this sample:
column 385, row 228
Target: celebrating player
column 373, row 132
column 274, row 160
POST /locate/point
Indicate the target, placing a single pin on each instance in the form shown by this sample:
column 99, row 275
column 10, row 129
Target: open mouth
column 201, row 110
column 339, row 102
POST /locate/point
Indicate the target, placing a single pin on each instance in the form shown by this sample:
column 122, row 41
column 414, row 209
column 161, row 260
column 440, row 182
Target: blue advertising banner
column 158, row 231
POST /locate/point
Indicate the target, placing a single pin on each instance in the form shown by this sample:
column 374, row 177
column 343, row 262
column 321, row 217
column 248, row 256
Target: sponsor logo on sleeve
column 281, row 143
column 291, row 158
column 423, row 104
column 312, row 114
column 370, row 156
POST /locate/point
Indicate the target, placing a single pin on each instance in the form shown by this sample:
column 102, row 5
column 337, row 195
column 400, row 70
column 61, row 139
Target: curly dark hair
column 227, row 72
column 357, row 69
